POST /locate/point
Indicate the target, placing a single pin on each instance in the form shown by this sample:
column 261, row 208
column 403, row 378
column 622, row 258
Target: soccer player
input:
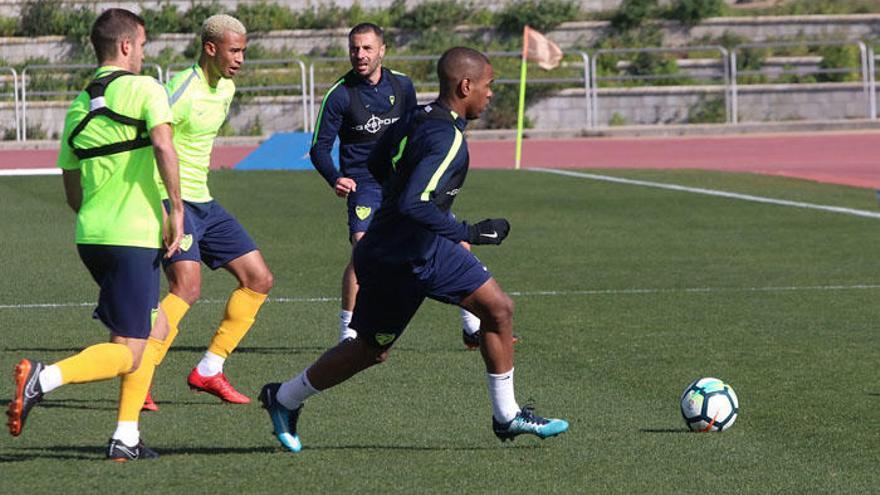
column 412, row 251
column 359, row 108
column 200, row 97
column 116, row 133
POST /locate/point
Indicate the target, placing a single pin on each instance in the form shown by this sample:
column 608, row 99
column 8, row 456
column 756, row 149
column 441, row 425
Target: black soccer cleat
column 117, row 451
column 28, row 393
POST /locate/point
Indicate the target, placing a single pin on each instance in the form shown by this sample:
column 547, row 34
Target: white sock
column 50, row 378
column 469, row 322
column 344, row 331
column 294, row 392
column 127, row 431
column 211, row 364
column 504, row 406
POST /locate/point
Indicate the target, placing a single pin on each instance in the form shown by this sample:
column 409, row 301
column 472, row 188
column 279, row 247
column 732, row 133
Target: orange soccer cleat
column 216, row 385
column 149, row 405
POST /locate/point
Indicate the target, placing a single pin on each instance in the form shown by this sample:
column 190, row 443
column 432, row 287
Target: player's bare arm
column 166, row 161
column 73, row 188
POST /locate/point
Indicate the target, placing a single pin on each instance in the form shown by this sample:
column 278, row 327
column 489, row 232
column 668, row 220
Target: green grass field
column 624, row 295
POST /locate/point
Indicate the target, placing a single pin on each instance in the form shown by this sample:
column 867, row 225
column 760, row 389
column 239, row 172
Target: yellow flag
column 541, row 50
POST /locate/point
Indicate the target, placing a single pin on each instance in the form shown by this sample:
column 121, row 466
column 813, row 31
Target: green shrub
column 709, row 110
column 655, row 64
column 435, row 14
column 632, row 14
column 164, row 20
column 541, row 15
column 264, row 16
column 44, row 17
column 8, row 26
column 839, row 57
column 191, row 21
column 617, row 120
column 691, row 12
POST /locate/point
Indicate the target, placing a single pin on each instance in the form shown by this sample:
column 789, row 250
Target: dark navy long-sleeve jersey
column 377, row 99
column 422, row 163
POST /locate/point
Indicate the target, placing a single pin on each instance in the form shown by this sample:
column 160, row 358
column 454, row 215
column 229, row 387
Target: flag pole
column 522, row 97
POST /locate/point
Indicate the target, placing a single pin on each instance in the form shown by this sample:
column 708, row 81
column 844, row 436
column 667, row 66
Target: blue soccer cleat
column 527, row 422
column 283, row 419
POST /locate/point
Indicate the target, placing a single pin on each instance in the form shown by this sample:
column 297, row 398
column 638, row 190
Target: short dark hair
column 457, row 64
column 367, row 27
column 112, row 26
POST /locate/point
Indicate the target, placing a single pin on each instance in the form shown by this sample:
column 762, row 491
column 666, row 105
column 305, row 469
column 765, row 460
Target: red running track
column 831, row 157
column 838, row 158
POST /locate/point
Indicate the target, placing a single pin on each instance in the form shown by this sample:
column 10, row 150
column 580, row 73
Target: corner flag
column 538, row 48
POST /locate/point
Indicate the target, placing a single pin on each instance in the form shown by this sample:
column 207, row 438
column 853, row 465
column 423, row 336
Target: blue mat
column 283, row 151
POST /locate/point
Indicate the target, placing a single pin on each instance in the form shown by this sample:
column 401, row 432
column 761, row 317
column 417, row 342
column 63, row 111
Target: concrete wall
column 670, row 105
column 566, row 110
column 568, row 35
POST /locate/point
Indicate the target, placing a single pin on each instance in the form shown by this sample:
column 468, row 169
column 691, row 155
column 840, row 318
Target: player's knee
column 135, row 362
column 263, row 282
column 188, row 292
column 502, row 310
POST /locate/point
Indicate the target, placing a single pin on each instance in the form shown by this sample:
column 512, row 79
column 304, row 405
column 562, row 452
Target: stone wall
column 568, row 35
column 12, row 7
column 670, row 105
column 565, row 110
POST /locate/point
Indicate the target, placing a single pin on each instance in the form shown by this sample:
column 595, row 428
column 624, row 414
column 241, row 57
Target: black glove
column 489, row 231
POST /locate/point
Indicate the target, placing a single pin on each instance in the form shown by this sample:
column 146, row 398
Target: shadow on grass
column 664, row 430
column 91, row 453
column 188, row 349
column 111, row 404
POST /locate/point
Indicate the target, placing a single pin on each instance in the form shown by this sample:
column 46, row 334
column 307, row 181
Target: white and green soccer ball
column 709, row 404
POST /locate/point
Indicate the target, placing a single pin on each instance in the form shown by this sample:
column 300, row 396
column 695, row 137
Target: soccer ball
column 709, row 404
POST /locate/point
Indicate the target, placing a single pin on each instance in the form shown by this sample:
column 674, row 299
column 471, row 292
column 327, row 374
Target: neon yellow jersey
column 121, row 202
column 199, row 112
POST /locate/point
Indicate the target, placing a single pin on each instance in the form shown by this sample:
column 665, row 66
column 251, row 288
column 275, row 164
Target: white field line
column 536, row 293
column 31, row 171
column 711, row 192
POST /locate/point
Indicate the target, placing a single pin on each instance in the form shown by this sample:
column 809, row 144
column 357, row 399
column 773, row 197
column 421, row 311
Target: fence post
column 734, row 97
column 587, row 115
column 872, row 85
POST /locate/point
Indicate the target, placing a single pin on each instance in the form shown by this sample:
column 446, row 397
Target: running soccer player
column 116, row 133
column 359, row 108
column 412, row 251
column 200, row 97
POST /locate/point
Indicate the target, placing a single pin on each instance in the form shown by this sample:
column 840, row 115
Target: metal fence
column 865, row 70
column 599, row 73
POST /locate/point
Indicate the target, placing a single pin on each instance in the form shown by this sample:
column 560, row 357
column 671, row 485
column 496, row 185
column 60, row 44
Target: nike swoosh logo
column 30, row 390
column 493, row 235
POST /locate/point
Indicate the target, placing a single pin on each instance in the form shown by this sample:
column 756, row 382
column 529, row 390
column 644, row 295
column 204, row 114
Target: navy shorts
column 362, row 206
column 389, row 295
column 129, row 279
column 211, row 235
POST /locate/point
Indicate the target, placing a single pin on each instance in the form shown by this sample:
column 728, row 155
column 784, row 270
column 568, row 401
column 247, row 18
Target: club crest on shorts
column 362, row 212
column 385, row 338
column 186, row 242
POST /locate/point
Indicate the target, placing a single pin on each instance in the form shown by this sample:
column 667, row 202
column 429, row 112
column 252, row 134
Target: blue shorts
column 362, row 207
column 129, row 281
column 211, row 235
column 389, row 295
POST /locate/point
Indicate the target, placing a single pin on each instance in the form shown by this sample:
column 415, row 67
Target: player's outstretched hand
column 489, row 231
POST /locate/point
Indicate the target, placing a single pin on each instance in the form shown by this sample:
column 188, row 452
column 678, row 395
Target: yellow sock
column 97, row 362
column 135, row 385
column 174, row 308
column 241, row 309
